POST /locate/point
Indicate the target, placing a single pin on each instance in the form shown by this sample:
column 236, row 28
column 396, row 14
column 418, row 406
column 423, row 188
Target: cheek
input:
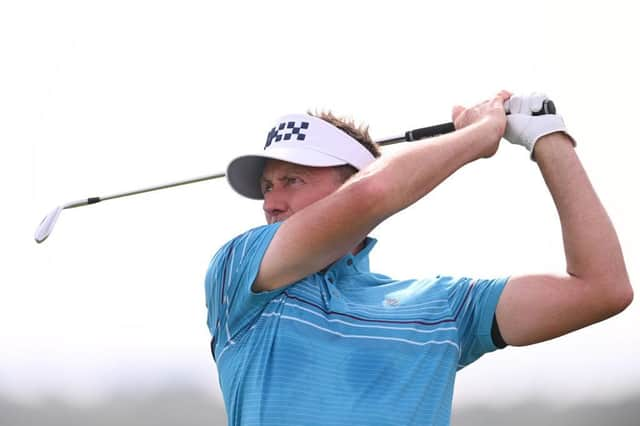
column 307, row 195
column 301, row 200
column 318, row 193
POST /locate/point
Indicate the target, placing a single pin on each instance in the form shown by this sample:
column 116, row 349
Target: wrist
column 552, row 144
column 484, row 137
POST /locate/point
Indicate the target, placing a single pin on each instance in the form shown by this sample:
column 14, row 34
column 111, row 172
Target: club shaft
column 94, row 200
column 409, row 136
column 165, row 186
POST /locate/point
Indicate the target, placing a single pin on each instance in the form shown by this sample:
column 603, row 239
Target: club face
column 47, row 224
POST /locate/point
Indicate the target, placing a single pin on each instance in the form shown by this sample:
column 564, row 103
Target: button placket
column 335, row 294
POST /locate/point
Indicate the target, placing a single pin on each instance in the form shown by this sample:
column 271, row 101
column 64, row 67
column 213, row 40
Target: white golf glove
column 524, row 128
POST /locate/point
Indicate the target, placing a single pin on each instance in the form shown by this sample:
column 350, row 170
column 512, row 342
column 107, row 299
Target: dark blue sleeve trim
column 496, row 336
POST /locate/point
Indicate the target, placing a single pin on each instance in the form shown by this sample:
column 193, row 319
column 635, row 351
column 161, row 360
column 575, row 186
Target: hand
column 525, row 129
column 489, row 116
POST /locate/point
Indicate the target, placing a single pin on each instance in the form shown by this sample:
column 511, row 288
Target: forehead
column 278, row 167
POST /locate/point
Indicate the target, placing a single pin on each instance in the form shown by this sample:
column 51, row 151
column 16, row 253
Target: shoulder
column 238, row 260
column 250, row 240
column 454, row 283
column 241, row 252
column 462, row 290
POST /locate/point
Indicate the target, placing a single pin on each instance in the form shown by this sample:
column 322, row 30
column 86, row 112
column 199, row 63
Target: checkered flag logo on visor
column 286, row 131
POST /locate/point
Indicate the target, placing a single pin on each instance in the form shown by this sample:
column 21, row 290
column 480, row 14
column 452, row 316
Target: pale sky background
column 103, row 97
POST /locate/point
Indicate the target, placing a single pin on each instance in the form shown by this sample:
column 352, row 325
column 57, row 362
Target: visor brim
column 244, row 172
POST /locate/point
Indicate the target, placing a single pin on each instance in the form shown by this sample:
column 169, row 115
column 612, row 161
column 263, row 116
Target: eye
column 292, row 180
column 266, row 187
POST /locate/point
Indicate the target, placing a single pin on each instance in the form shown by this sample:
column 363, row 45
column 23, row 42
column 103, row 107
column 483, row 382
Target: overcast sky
column 102, row 97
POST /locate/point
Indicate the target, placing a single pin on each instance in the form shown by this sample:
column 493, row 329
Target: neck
column 358, row 248
column 355, row 251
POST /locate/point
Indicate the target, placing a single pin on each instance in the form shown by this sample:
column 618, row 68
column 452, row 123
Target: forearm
column 591, row 245
column 403, row 177
column 337, row 223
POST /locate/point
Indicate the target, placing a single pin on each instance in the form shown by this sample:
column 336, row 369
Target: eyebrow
column 287, row 172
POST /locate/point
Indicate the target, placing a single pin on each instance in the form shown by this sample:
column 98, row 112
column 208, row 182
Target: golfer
column 305, row 334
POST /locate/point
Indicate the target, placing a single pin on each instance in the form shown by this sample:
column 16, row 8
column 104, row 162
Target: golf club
column 46, row 226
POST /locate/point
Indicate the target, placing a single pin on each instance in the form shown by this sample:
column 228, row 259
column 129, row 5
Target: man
column 303, row 332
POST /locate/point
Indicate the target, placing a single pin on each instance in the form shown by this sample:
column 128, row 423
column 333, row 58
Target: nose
column 274, row 205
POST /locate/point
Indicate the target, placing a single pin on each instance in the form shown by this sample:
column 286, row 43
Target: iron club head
column 47, row 224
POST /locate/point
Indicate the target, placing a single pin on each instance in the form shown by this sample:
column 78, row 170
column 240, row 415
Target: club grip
column 548, row 107
column 428, row 132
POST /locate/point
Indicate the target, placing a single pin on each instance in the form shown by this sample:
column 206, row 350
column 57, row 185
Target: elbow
column 610, row 291
column 374, row 195
column 626, row 297
column 620, row 298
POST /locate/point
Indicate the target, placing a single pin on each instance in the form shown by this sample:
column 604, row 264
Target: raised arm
column 326, row 230
column 534, row 308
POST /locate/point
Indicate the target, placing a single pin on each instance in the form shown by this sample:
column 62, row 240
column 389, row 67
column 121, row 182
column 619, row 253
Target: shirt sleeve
column 474, row 302
column 231, row 303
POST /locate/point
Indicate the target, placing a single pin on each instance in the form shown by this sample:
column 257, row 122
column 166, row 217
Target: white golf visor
column 299, row 139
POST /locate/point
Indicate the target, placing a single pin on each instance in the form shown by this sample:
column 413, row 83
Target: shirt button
column 349, row 262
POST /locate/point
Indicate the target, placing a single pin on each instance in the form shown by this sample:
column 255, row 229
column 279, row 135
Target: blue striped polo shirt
column 341, row 346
